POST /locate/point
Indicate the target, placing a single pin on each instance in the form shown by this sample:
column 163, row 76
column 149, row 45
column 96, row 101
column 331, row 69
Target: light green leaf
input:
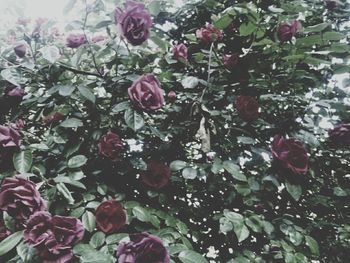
column 312, row 244
column 141, row 214
column 133, row 119
column 189, row 173
column 190, row 82
column 234, row 170
column 189, row 256
column 66, row 90
column 10, row 242
column 87, row 94
column 23, row 161
column 72, row 123
column 122, row 106
column 50, row 53
column 77, row 161
column 11, row 75
column 294, row 190
column 177, row 165
column 241, row 231
column 65, row 192
column 88, row 220
column 97, row 239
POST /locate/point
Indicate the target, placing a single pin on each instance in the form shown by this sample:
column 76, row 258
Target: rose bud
column 146, row 94
column 75, row 40
column 247, row 107
column 98, row 38
column 13, row 91
column 157, row 175
column 110, row 146
column 143, row 247
column 209, row 34
column 134, row 22
column 180, row 51
column 340, row 134
column 55, row 117
column 53, row 236
column 20, row 198
column 291, row 154
column 110, row 216
column 230, row 61
column 20, row 50
column 9, row 137
column 172, row 95
column 286, row 31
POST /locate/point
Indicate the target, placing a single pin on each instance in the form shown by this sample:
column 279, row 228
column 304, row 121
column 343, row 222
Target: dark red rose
column 180, row 51
column 98, row 38
column 134, row 22
column 157, row 175
column 143, row 247
column 291, row 153
column 340, row 134
column 75, row 40
column 20, row 198
column 230, row 61
column 53, row 236
column 331, row 4
column 110, row 145
column 20, row 50
column 9, row 137
column 55, row 117
column 146, row 94
column 110, row 216
column 209, row 34
column 286, row 31
column 172, row 95
column 247, row 107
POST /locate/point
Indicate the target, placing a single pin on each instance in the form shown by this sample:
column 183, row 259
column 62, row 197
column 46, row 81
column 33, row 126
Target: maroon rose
column 291, row 153
column 331, row 4
column 98, row 38
column 230, row 61
column 110, row 145
column 134, row 22
column 15, row 91
column 75, row 40
column 247, row 107
column 53, row 236
column 180, row 51
column 19, row 124
column 209, row 34
column 146, row 94
column 172, row 95
column 110, row 216
column 340, row 134
column 286, row 31
column 143, row 247
column 20, row 50
column 157, row 175
column 20, row 198
column 9, row 137
column 55, row 117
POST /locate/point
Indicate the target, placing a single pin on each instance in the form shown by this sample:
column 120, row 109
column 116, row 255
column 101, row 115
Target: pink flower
column 180, row 51
column 209, row 34
column 146, row 94
column 9, row 137
column 98, row 38
column 75, row 40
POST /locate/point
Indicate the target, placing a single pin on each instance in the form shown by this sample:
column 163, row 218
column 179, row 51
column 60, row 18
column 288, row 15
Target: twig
column 82, row 72
column 209, row 69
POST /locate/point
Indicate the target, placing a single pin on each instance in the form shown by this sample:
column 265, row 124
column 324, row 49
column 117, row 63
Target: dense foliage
column 214, row 132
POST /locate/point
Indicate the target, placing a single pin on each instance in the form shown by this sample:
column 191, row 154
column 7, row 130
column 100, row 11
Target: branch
column 82, row 72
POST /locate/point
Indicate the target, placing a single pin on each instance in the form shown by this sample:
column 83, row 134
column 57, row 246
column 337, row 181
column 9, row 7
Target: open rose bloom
column 133, row 22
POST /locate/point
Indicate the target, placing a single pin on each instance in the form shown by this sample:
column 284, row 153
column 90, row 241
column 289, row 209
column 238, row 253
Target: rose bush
column 212, row 132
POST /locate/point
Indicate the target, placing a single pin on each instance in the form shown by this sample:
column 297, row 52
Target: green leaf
column 87, row 94
column 234, row 170
column 312, row 244
column 72, row 123
column 10, row 242
column 333, row 36
column 50, row 53
column 87, row 254
column 122, row 106
column 141, row 214
column 69, row 180
column 225, row 225
column 77, row 161
column 65, row 192
column 26, row 252
column 246, row 29
column 115, row 238
column 154, row 7
column 88, row 220
column 189, row 256
column 317, row 28
column 98, row 239
column 133, row 119
column 23, row 161
column 223, row 22
column 11, row 75
column 177, row 165
column 241, row 231
column 233, row 217
column 190, row 82
column 66, row 90
column 189, row 173
column 294, row 190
